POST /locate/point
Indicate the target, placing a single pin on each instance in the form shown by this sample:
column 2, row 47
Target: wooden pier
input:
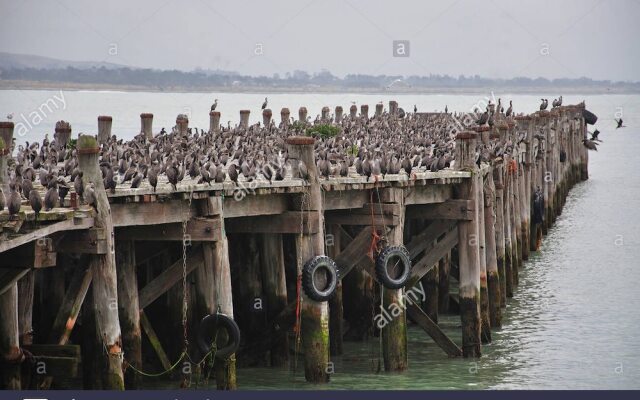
column 113, row 293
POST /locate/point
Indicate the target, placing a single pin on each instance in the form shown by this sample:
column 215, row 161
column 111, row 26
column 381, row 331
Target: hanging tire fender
column 313, row 287
column 393, row 254
column 208, row 329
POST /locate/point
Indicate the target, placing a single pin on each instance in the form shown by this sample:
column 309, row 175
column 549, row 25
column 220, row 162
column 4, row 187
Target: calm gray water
column 574, row 320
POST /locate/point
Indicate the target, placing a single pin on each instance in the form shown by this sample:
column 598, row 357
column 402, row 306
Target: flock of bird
column 366, row 146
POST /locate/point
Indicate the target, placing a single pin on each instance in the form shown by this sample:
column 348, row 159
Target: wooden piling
column 104, row 128
column 26, row 287
column 244, row 118
column 146, row 125
column 431, row 285
column 266, row 117
column 63, row 133
column 364, row 111
column 10, row 353
column 285, row 114
column 498, row 176
column 275, row 291
column 214, row 121
column 444, row 268
column 469, row 253
column 336, row 310
column 315, row 316
column 302, row 114
column 353, row 111
column 129, row 311
column 182, row 124
column 216, row 257
column 379, row 109
column 103, row 267
column 325, row 114
column 394, row 333
column 493, row 276
column 338, row 114
column 393, row 108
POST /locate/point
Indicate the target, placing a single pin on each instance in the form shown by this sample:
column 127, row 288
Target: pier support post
column 244, row 118
column 325, row 114
column 498, row 176
column 444, row 268
column 302, row 114
column 353, row 111
column 10, row 353
column 6, row 143
column 216, row 259
column 493, row 276
column 63, row 133
column 182, row 124
column 275, row 291
column 379, row 109
column 468, row 249
column 364, row 111
column 129, row 310
column 146, row 125
column 484, row 289
column 266, row 117
column 336, row 311
column 393, row 108
column 431, row 285
column 315, row 316
column 103, row 267
column 394, row 333
column 338, row 114
column 104, row 128
column 214, row 122
column 285, row 114
column 25, row 308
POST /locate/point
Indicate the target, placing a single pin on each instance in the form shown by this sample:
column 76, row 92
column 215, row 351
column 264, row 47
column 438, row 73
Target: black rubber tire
column 388, row 254
column 309, row 284
column 589, row 117
column 207, row 330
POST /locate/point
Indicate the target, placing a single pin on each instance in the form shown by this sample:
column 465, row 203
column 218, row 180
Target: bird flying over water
column 619, row 122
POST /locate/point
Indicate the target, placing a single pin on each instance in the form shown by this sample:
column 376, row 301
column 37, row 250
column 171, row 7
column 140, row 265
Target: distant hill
column 20, row 61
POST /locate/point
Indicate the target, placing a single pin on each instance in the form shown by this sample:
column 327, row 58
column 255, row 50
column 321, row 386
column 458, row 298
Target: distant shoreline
column 71, row 86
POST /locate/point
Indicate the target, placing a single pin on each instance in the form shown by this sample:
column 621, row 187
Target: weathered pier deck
column 80, row 285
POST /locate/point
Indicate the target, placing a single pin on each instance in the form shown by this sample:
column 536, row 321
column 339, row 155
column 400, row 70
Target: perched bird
column 10, row 116
column 63, row 190
column 264, row 105
column 544, row 105
column 214, row 105
column 78, row 186
column 152, row 175
column 446, row 109
column 483, row 118
column 35, row 201
column 510, row 109
column 13, row 203
column 51, row 196
column 415, row 108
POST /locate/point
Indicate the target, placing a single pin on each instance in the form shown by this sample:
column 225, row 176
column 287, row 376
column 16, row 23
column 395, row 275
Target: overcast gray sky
column 492, row 38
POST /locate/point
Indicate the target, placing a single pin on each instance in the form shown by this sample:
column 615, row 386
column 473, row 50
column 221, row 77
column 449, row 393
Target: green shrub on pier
column 324, row 131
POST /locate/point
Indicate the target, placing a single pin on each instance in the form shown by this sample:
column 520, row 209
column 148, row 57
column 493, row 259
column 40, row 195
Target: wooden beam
column 170, row 277
column 173, row 211
column 433, row 330
column 428, row 194
column 345, row 199
column 252, row 205
column 287, row 222
column 354, row 252
column 199, row 229
column 432, row 256
column 71, row 304
column 9, row 276
column 67, row 225
column 155, row 342
column 36, row 254
column 426, row 238
column 451, row 209
column 351, row 218
column 90, row 241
